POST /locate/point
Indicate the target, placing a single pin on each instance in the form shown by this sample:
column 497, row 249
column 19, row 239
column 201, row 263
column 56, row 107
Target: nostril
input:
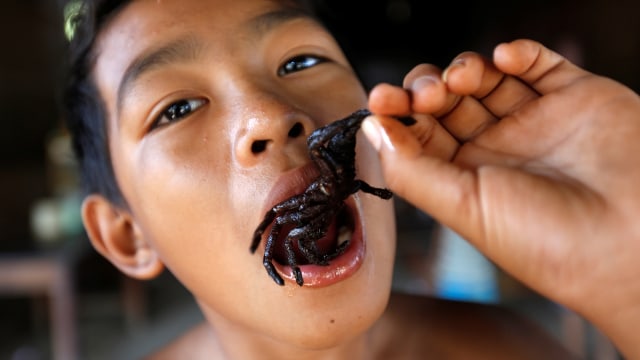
column 259, row 146
column 296, row 130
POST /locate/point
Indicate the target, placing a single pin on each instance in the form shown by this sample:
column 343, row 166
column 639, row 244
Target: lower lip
column 339, row 268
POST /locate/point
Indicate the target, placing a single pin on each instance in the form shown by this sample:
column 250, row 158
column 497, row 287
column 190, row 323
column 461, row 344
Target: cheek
column 182, row 197
column 200, row 238
column 179, row 180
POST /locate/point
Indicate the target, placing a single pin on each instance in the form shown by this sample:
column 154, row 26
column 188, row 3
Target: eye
column 298, row 63
column 178, row 110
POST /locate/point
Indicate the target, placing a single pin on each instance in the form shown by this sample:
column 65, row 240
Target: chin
column 346, row 306
column 326, row 312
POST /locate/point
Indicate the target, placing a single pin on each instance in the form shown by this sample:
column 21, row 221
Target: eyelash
column 178, row 110
column 300, row 62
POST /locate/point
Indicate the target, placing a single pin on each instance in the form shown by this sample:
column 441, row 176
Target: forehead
column 144, row 22
column 218, row 14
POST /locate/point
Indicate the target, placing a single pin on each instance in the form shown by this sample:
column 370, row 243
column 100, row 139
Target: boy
column 200, row 112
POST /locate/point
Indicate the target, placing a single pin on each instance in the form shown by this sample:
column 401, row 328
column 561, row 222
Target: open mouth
column 297, row 251
column 306, row 203
column 343, row 245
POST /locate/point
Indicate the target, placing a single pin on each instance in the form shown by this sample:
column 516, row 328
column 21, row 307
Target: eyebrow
column 189, row 48
column 182, row 50
column 265, row 22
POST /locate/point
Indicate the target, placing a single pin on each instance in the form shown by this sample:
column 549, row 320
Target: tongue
column 326, row 245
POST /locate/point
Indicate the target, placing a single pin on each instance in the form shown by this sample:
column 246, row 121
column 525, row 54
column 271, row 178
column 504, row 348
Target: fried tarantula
column 332, row 149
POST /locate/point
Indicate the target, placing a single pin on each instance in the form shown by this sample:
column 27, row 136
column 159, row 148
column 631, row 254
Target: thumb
column 438, row 187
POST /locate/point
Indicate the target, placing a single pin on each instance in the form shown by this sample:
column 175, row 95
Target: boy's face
column 200, row 116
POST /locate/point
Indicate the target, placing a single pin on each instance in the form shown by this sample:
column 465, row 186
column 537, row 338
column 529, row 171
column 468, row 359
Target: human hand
column 535, row 162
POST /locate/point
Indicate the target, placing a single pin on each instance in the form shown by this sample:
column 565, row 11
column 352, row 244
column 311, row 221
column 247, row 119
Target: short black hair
column 84, row 110
column 83, row 107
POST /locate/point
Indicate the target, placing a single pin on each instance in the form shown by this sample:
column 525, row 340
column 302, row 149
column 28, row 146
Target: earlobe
column 114, row 234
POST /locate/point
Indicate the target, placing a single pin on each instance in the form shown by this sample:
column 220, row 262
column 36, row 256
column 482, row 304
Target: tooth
column 344, row 234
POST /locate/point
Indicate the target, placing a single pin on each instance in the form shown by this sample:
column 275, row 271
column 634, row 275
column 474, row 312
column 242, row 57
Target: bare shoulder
column 423, row 326
column 197, row 343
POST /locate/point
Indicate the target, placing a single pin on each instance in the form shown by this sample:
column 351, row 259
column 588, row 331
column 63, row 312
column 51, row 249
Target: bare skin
column 415, row 327
column 196, row 187
column 534, row 161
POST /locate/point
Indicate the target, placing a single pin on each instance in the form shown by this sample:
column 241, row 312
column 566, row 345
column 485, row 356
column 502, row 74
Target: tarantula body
column 308, row 215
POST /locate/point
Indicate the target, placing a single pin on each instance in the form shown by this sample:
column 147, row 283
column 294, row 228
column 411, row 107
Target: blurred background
column 60, row 300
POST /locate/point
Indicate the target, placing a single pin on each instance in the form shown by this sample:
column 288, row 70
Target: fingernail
column 376, row 134
column 457, row 63
column 423, row 82
column 371, row 129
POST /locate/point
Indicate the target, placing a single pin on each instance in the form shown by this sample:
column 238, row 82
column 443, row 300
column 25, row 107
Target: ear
column 114, row 234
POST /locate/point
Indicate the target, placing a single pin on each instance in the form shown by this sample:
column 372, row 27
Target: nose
column 276, row 134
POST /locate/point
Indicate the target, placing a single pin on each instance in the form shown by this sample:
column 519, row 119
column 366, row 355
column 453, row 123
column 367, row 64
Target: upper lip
column 289, row 184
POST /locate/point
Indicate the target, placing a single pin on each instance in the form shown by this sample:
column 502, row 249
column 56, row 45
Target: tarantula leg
column 364, row 187
column 291, row 260
column 296, row 235
column 267, row 259
column 271, row 270
column 283, row 207
column 339, row 251
column 291, row 257
column 308, row 247
column 257, row 235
